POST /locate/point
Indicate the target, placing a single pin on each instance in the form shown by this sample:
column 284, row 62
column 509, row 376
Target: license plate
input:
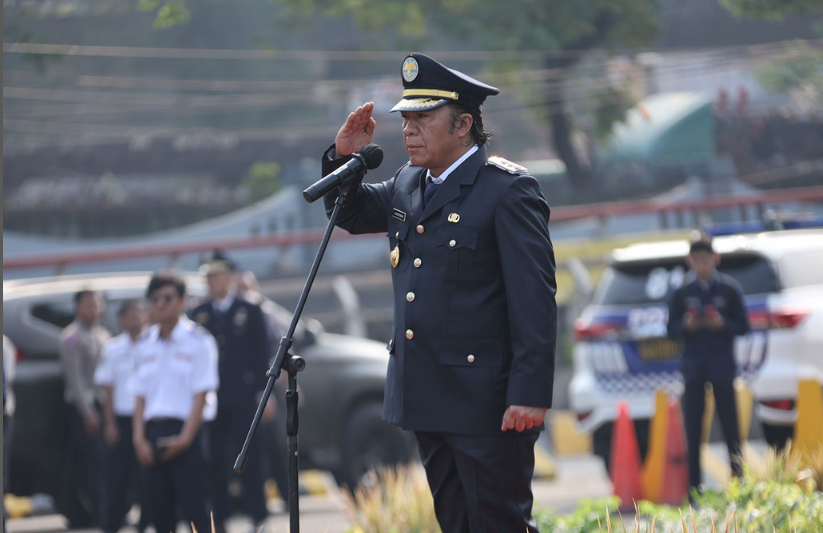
column 659, row 349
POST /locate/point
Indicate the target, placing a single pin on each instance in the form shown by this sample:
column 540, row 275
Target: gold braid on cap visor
column 428, row 103
column 436, row 93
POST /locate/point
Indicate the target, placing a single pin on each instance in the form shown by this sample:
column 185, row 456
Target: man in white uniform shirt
column 176, row 371
column 114, row 371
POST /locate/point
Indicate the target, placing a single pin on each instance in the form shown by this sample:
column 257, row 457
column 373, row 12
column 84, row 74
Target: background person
column 9, row 361
column 176, row 371
column 121, row 480
column 707, row 313
column 275, row 429
column 80, row 346
column 472, row 358
column 243, row 343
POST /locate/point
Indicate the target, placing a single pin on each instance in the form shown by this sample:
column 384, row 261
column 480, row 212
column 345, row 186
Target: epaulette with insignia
column 505, row 164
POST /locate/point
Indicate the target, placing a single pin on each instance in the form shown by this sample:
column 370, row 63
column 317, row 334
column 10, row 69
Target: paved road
column 577, row 477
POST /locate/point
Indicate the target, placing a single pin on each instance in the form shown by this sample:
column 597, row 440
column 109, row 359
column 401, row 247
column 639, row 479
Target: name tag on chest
column 398, row 214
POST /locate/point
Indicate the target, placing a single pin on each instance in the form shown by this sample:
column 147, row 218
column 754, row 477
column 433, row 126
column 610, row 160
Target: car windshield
column 653, row 282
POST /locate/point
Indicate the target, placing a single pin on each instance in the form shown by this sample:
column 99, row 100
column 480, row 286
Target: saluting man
column 243, row 342
column 472, row 356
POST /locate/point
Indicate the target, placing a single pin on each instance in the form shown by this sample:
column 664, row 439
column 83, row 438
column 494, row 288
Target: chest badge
column 454, row 218
column 240, row 317
column 394, row 257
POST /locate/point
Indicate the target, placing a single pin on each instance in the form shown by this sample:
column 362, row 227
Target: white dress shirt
column 171, row 371
column 116, row 366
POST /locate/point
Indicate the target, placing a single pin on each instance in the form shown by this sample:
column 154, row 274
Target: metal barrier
column 601, row 211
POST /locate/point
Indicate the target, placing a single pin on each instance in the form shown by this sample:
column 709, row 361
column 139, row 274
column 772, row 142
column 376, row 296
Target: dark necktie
column 431, row 188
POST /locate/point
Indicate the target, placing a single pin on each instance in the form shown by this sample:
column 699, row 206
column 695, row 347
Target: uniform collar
column 706, row 285
column 226, row 303
column 464, row 174
column 442, row 177
column 184, row 325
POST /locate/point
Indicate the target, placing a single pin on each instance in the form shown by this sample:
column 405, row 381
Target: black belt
column 164, row 421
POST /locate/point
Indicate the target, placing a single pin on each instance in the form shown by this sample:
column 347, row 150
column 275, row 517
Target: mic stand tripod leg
column 295, row 365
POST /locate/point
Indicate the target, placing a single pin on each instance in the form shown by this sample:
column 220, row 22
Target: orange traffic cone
column 625, row 460
column 652, row 475
column 675, row 488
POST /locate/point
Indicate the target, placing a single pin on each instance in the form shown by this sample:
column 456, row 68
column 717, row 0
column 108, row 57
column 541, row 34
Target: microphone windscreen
column 372, row 156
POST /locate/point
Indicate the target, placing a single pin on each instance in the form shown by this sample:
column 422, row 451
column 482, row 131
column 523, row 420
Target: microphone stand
column 292, row 364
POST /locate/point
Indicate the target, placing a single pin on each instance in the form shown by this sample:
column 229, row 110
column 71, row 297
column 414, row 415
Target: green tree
column 800, row 68
column 563, row 31
column 798, row 72
column 262, row 180
column 772, row 9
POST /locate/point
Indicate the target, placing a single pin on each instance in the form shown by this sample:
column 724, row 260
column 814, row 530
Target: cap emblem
column 410, row 69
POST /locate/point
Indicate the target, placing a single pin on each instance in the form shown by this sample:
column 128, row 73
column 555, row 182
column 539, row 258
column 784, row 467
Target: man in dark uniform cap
column 244, row 350
column 472, row 356
column 707, row 313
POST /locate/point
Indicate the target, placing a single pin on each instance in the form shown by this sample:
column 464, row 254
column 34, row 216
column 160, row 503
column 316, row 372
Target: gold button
column 420, row 228
column 470, row 358
column 452, row 243
column 417, row 263
column 397, row 235
column 409, row 334
column 410, row 297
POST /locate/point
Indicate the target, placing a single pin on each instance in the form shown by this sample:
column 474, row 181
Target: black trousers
column 228, row 431
column 694, row 405
column 81, row 479
column 181, row 481
column 480, row 484
column 122, row 482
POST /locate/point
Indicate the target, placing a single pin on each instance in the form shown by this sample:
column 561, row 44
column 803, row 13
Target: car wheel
column 777, row 436
column 369, row 443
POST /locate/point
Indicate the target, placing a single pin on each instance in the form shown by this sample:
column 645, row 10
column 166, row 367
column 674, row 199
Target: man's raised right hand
column 357, row 131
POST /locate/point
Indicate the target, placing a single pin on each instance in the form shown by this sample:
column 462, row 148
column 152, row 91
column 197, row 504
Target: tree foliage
column 262, row 180
column 563, row 31
column 799, row 72
column 167, row 13
column 772, row 9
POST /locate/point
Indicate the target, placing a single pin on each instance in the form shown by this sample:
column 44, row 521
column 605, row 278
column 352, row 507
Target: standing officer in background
column 176, row 372
column 472, row 357
column 707, row 313
column 244, row 351
column 113, row 375
column 80, row 346
column 277, row 321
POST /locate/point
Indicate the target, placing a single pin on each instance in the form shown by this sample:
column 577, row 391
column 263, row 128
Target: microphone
column 369, row 158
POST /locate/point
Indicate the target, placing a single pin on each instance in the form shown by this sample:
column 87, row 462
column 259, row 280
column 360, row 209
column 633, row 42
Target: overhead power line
column 335, row 55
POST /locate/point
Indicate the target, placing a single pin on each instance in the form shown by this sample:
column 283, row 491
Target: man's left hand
column 521, row 417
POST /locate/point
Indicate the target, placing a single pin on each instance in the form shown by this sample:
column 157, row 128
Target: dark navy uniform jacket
column 708, row 354
column 243, row 344
column 475, row 316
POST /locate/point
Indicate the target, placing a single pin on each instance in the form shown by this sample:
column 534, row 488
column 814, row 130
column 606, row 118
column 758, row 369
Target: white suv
column 622, row 351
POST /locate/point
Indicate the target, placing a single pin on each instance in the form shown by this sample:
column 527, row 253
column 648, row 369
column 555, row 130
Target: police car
column 622, row 351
